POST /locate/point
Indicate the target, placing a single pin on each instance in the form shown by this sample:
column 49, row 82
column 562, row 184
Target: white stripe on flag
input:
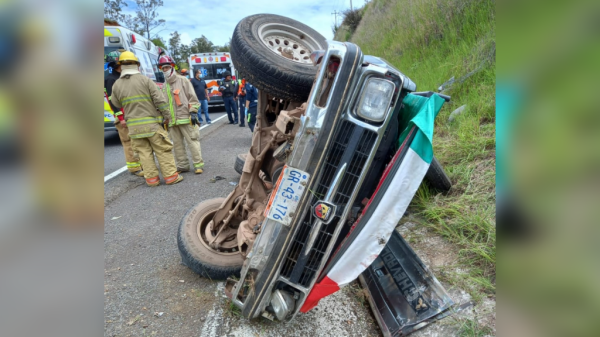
column 368, row 244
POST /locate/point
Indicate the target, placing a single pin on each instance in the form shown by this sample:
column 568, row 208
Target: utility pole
column 336, row 13
column 350, row 4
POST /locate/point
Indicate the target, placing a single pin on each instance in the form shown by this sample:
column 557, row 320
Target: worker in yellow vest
column 183, row 107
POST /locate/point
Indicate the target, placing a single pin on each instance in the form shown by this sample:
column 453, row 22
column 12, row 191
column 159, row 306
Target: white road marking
column 202, row 127
column 124, row 168
column 116, row 173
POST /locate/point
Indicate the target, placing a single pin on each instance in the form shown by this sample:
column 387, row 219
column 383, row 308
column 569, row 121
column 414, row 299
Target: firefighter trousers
column 182, row 135
column 158, row 145
column 131, row 157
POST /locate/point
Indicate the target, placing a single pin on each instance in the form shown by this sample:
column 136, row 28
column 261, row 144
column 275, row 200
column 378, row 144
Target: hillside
column 433, row 41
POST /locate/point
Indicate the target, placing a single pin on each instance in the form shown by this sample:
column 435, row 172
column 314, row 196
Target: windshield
column 213, row 71
column 108, row 50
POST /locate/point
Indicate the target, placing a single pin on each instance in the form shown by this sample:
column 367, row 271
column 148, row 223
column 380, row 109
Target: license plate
column 290, row 186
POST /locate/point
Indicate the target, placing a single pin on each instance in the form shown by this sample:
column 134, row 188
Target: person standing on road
column 251, row 105
column 140, row 99
column 241, row 96
column 228, row 89
column 183, row 124
column 132, row 160
column 202, row 93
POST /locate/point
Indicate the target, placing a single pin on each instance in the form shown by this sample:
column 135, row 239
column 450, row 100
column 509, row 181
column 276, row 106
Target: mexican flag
column 395, row 190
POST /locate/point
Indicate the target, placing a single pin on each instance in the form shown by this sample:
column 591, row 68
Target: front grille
column 352, row 145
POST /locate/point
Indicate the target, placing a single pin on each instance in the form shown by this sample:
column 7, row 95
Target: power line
column 335, row 12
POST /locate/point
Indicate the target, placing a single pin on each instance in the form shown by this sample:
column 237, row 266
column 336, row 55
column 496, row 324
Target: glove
column 194, row 119
column 246, row 112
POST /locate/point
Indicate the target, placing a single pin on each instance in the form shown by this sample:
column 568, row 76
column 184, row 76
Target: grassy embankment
column 431, row 41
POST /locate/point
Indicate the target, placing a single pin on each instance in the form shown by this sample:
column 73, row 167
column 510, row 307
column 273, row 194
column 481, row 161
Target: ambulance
column 118, row 38
column 213, row 67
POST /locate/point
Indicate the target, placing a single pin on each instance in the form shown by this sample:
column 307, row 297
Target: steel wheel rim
column 288, row 42
column 205, row 235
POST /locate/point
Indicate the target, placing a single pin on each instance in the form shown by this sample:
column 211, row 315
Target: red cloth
column 120, row 117
column 322, row 289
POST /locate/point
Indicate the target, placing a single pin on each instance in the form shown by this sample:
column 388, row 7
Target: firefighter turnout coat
column 182, row 100
column 139, row 97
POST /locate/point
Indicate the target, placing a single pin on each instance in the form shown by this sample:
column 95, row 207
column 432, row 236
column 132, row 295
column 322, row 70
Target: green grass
column 231, row 310
column 431, row 41
column 470, row 328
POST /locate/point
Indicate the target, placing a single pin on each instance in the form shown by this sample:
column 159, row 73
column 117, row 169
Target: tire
column 266, row 68
column 437, row 177
column 238, row 166
column 195, row 252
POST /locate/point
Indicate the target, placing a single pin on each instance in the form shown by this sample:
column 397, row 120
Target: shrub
column 352, row 19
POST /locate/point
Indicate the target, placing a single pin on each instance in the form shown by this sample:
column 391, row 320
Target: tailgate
column 403, row 294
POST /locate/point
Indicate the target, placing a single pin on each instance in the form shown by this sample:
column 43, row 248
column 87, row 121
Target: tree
column 113, row 8
column 184, row 53
column 175, row 46
column 159, row 42
column 201, row 45
column 112, row 11
column 147, row 14
column 223, row 48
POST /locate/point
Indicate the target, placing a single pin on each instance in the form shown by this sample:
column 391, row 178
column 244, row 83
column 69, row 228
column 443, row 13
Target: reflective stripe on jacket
column 140, row 97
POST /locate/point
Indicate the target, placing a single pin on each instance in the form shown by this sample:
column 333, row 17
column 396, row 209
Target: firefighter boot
column 139, row 173
column 153, row 182
column 174, row 179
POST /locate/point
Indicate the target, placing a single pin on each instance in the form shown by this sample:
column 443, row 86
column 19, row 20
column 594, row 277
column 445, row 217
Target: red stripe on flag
column 324, row 288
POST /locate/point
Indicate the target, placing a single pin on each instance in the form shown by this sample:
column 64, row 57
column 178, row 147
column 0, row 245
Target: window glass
column 212, row 71
column 146, row 65
column 107, row 50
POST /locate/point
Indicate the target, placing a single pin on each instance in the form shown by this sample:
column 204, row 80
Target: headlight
column 282, row 303
column 375, row 99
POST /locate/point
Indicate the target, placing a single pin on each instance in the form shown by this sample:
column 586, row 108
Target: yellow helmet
column 128, row 56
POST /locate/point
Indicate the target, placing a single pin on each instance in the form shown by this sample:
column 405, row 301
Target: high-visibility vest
column 109, row 115
column 242, row 85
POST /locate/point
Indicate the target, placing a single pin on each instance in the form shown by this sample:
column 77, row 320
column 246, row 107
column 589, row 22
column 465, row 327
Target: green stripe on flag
column 420, row 112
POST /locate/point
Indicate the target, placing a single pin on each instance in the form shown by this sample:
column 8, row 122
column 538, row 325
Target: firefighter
column 251, row 104
column 140, row 98
column 241, row 96
column 228, row 89
column 132, row 160
column 183, row 125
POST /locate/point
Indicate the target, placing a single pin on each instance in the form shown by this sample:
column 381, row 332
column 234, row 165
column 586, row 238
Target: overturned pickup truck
column 341, row 145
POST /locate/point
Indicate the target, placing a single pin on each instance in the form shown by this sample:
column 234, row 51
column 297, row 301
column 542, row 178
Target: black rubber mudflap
column 403, row 294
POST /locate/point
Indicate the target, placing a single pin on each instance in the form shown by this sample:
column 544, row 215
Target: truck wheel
column 239, row 163
column 273, row 53
column 437, row 177
column 193, row 240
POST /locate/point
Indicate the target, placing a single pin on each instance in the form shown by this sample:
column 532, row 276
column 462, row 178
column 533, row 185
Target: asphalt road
column 148, row 292
column 114, row 158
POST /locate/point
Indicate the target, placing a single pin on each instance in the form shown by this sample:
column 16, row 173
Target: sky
column 217, row 19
